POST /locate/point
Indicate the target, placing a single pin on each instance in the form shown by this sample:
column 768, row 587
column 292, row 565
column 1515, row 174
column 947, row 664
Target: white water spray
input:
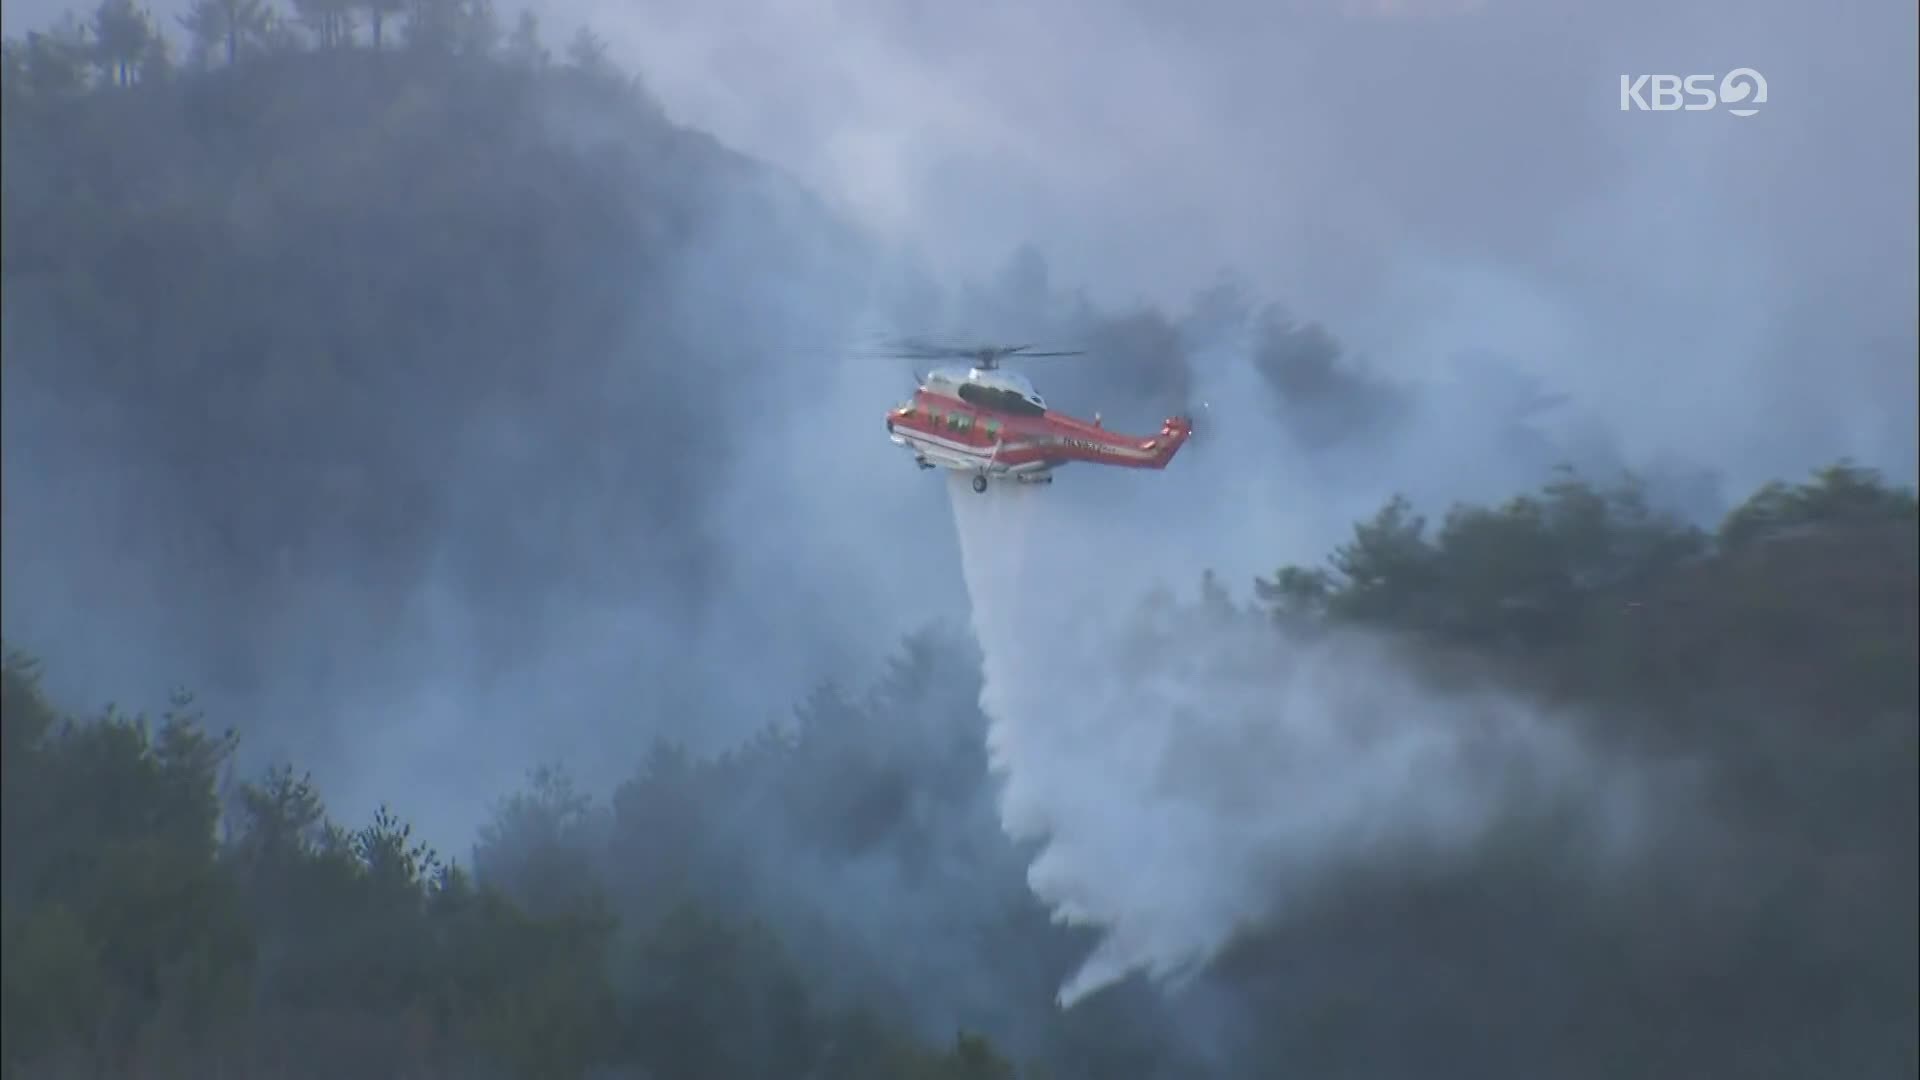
column 1186, row 778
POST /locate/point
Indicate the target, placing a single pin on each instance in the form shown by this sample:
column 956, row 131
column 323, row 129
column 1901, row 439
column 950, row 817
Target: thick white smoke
column 1186, row 777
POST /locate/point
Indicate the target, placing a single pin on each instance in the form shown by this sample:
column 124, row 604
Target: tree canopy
column 704, row 922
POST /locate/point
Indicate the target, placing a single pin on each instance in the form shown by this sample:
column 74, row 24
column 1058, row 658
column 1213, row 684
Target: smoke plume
column 1188, row 773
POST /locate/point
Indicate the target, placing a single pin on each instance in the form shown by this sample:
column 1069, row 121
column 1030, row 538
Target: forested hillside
column 520, row 274
column 430, row 352
column 705, row 922
column 340, row 298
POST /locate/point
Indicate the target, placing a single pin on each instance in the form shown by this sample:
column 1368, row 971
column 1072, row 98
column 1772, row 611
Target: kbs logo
column 1741, row 87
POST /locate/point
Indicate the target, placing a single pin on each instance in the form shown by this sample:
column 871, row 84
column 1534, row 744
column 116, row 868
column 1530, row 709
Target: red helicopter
column 990, row 422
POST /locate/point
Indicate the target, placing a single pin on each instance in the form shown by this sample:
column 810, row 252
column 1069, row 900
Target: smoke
column 715, row 522
column 547, row 509
column 1188, row 772
column 1186, row 776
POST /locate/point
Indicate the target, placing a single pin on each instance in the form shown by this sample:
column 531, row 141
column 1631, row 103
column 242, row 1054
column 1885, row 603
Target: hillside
column 339, row 368
column 1771, row 934
column 429, row 357
column 331, row 280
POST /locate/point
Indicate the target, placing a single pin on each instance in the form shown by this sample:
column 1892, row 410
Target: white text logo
column 1740, row 90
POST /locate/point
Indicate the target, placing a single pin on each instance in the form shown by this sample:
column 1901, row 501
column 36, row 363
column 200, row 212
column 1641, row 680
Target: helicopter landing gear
column 980, row 483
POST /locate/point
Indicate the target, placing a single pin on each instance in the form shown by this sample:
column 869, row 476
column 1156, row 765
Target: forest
column 832, row 895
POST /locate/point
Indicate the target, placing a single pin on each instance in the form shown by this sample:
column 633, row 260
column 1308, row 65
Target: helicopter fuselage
column 992, row 424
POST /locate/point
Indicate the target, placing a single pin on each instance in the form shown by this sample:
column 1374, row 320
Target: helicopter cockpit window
column 1019, row 405
column 1000, row 400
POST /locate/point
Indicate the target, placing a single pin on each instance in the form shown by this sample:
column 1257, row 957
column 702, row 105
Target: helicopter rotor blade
column 922, row 354
column 914, row 349
column 984, row 355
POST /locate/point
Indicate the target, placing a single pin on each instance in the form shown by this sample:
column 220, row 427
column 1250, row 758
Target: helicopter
column 990, row 422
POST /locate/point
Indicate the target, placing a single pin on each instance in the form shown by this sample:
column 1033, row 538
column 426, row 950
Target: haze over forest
column 1515, row 676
